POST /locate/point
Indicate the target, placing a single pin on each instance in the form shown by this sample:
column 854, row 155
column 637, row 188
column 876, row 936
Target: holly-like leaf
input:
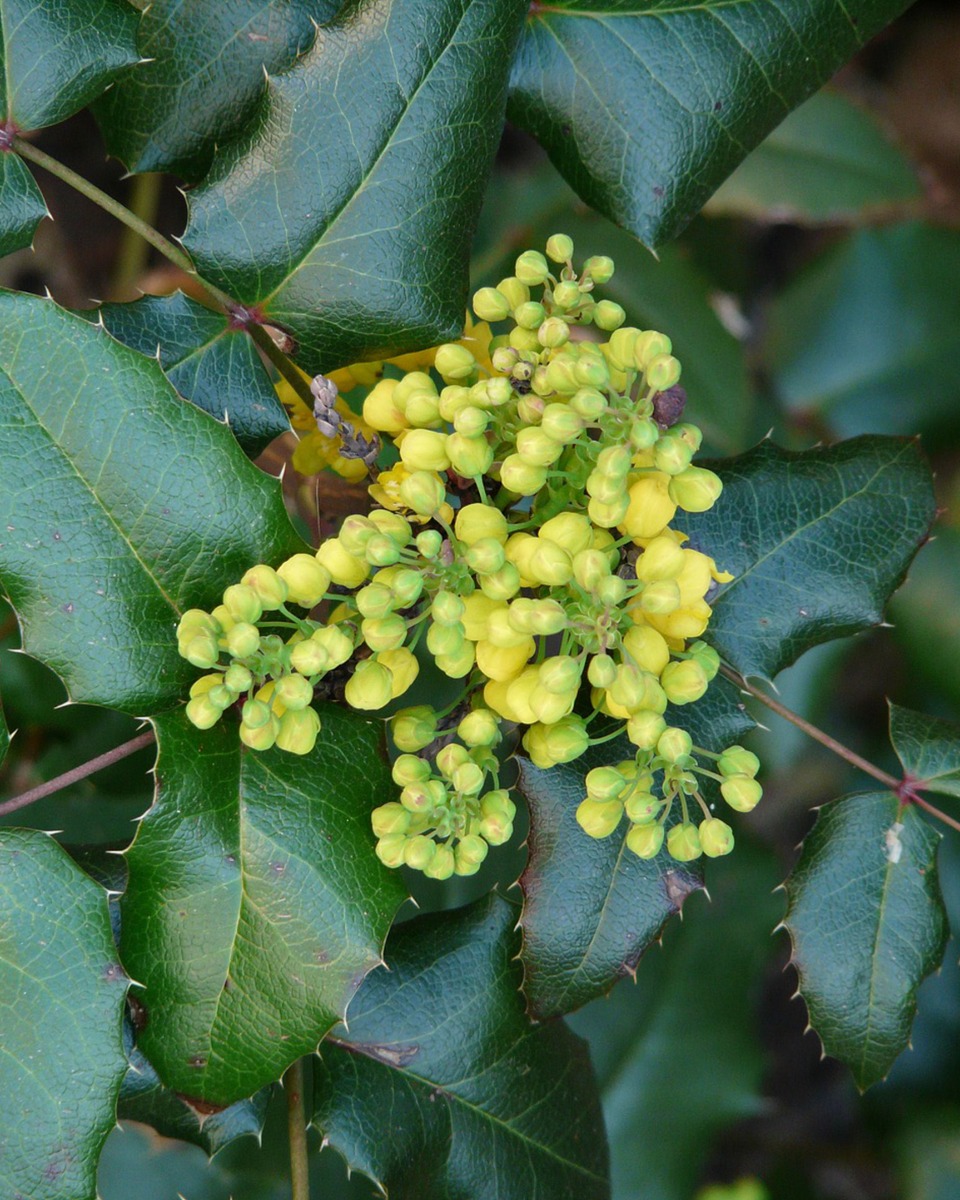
column 647, row 107
column 868, row 336
column 144, row 1098
column 442, row 1088
column 210, row 362
column 929, row 749
column 828, row 161
column 346, row 215
column 61, row 993
column 120, row 506
column 816, row 541
column 867, row 925
column 684, row 1040
column 591, row 907
column 60, row 54
column 203, row 78
column 22, row 207
column 255, row 904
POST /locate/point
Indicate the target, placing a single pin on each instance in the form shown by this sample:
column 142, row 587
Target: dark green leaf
column 592, row 907
column 203, row 79
column 441, row 1088
column 120, row 505
column 144, row 1098
column 61, row 993
column 212, row 364
column 4, row 736
column 346, row 216
column 22, row 207
column 59, row 54
column 869, row 335
column 926, row 615
column 929, row 749
column 828, row 161
column 647, row 107
column 255, row 904
column 817, row 541
column 684, row 1041
column 867, row 924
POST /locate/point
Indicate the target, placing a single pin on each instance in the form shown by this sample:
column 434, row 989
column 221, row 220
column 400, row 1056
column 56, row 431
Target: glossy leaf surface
column 684, row 1038
column 61, row 993
column 591, row 906
column 346, row 215
column 867, row 925
column 816, row 541
column 442, row 1088
column 60, row 54
column 868, row 336
column 929, row 749
column 828, row 161
column 211, row 364
column 22, row 207
column 255, row 904
column 120, row 506
column 203, row 78
column 647, row 107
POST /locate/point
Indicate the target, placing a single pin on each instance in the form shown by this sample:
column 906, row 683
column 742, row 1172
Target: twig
column 132, row 254
column 77, row 773
column 932, row 809
column 297, row 1131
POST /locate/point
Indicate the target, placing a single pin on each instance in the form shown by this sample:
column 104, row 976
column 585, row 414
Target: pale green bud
column 491, row 305
column 442, row 865
column 256, row 714
column 406, row 586
column 536, row 447
column 602, row 671
column 560, row 248
column 471, row 421
column 683, row 842
column 486, row 556
column 740, row 792
column 496, row 830
column 599, row 268
column 645, row 840
column 469, row 456
column 467, row 778
column 502, row 584
column 588, row 403
column 735, row 760
column 469, row 854
column 553, row 332
column 414, row 728
column 390, row 849
column 530, row 315
column 454, row 362
column 599, row 818
column 237, row 678
column 423, row 491
column 447, row 608
column 202, row 712
column 384, row 633
column 306, row 580
column 716, row 838
column 522, row 477
column 429, row 542
column 409, row 769
column 479, row 728
column 202, row 650
column 260, row 737
column 370, row 686
column 663, row 373
column 516, row 291
column 560, row 422
column 298, row 730
column 268, row 585
column 604, row 783
column 684, row 682
column 696, row 489
column 671, row 455
column 674, row 745
column 531, row 268
column 560, row 674
column 243, row 640
column 642, row 807
column 389, row 818
column 419, row 852
column 648, row 346
column 375, row 600
column 243, row 603
column 645, row 728
column 608, row 316
column 293, row 691
column 381, row 551
column 450, row 757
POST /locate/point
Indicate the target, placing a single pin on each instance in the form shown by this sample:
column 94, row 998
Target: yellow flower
column 385, row 491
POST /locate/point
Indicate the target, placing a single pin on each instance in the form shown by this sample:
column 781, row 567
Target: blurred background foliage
column 816, row 298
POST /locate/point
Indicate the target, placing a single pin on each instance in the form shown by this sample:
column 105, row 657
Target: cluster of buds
column 524, row 542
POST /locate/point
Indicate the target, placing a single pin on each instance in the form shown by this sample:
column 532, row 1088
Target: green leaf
column 926, row 616
column 441, row 1088
column 678, row 1056
column 346, row 215
column 255, row 905
column 211, row 363
column 929, row 749
column 120, row 506
column 59, row 54
column 867, row 924
column 828, row 161
column 647, row 107
column 816, row 541
column 203, row 78
column 869, row 335
column 591, row 907
column 22, row 207
column 61, row 993
column 144, row 1098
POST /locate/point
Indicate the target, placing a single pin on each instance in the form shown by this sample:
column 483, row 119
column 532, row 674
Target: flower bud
column 559, row 248
column 429, row 543
column 708, row 658
column 389, row 818
column 202, row 650
column 504, row 662
column 469, row 456
column 566, row 295
column 648, row 346
column 645, row 728
column 608, row 316
column 423, row 491
column 256, row 714
column 554, row 332
column 537, row 448
column 651, row 506
column 447, row 608
column 541, row 617
column 647, row 648
column 599, row 818
column 384, row 633
column 662, row 558
column 642, row 807
column 588, row 403
column 369, row 687
column 408, row 769
column 491, row 305
column 293, row 692
column 740, row 791
column 663, row 372
column 644, row 433
column 467, row 778
column 502, row 584
column 260, row 737
column 337, row 644
column 550, row 564
column 374, row 600
column 479, row 728
column 243, row 640
column 306, row 580
column 619, row 349
column 735, row 760
column 672, row 454
column 515, row 290
column 602, row 671
column 683, row 842
column 355, row 532
column 406, row 586
column 243, row 603
column 475, row 522
column 237, row 678
column 684, row 682
column 202, row 712
column 645, row 840
column 716, row 838
column 696, row 489
column 530, row 315
column 560, row 422
column 589, row 568
column 570, row 530
column 298, row 730
column 560, row 674
column 380, row 410
column 604, row 783
column 531, row 268
column 445, row 639
column 591, row 373
column 424, row 450
column 456, row 666
column 661, row 597
column 521, row 477
column 268, row 585
column 599, row 268
column 441, row 866
column 524, row 340
column 414, row 728
column 607, row 515
column 389, row 849
column 566, row 739
column 345, row 569
column 419, row 852
column 471, row 421
column 486, row 556
column 469, row 854
column 674, row 745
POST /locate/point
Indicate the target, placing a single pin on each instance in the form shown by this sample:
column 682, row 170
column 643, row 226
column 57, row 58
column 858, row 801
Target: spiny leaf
column 646, row 107
column 210, row 362
column 817, row 541
column 61, row 993
column 203, row 78
column 60, row 54
column 256, row 904
column 441, row 1088
column 591, row 906
column 22, row 207
column 867, row 925
column 346, row 215
column 120, row 506
column 929, row 749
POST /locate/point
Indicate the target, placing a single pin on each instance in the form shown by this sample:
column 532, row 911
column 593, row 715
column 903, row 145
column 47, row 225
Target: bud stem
column 297, row 1132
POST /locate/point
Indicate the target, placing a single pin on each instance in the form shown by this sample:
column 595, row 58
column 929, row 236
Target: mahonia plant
column 524, row 540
